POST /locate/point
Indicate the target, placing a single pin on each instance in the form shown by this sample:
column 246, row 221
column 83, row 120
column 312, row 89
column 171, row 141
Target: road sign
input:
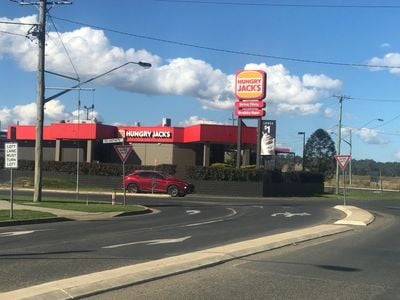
column 343, row 160
column 113, row 141
column 123, row 151
column 11, row 155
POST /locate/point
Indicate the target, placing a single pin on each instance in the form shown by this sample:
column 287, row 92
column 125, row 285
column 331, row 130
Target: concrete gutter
column 354, row 216
column 98, row 282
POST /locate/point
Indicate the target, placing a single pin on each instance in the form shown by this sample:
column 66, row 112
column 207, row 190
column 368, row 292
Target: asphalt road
column 34, row 254
column 361, row 264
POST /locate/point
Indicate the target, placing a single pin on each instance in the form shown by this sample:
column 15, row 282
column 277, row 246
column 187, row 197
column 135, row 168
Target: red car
column 157, row 182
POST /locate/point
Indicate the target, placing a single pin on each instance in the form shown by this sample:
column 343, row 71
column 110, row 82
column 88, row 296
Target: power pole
column 41, row 35
column 339, row 137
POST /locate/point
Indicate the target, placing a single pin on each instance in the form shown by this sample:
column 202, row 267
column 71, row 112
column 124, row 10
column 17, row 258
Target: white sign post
column 11, row 162
column 343, row 161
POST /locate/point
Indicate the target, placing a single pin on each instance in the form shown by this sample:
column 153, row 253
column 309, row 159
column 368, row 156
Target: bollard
column 113, row 197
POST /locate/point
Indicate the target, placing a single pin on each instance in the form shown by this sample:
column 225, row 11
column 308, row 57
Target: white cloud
column 370, row 136
column 390, row 59
column 93, row 54
column 386, row 45
column 397, row 155
column 194, row 120
column 329, row 112
column 54, row 111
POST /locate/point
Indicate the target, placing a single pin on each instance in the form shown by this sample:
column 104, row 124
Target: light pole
column 304, row 143
column 40, row 115
column 87, row 110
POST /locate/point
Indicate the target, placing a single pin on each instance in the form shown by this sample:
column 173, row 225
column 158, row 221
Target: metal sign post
column 343, row 161
column 11, row 162
column 123, row 153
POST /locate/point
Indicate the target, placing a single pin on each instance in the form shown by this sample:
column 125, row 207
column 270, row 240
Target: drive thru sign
column 123, row 151
column 343, row 160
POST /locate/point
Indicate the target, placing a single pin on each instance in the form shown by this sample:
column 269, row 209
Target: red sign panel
column 123, row 151
column 343, row 160
column 249, row 104
column 249, row 113
column 250, row 85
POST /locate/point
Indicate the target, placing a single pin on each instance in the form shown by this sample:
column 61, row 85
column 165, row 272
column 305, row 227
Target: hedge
column 102, row 169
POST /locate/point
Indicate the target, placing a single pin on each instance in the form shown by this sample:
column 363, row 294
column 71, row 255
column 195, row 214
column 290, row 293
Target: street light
column 304, row 142
column 40, row 115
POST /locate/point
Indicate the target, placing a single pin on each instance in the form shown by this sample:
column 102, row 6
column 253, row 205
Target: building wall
column 184, row 155
column 153, row 153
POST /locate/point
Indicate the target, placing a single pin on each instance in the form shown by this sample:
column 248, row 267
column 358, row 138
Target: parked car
column 157, row 182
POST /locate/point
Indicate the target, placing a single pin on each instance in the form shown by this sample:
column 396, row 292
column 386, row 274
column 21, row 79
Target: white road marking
column 233, row 212
column 192, row 212
column 289, row 215
column 150, row 242
column 15, row 233
column 258, row 206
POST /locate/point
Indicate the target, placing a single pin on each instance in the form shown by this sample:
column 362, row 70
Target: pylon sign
column 343, row 160
column 123, row 151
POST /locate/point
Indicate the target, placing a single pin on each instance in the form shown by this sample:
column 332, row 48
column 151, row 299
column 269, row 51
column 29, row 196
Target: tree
column 319, row 153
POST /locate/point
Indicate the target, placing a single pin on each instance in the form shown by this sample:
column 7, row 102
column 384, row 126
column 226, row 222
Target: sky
column 312, row 51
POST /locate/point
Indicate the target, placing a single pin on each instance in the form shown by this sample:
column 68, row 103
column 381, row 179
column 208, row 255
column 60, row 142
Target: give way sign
column 343, row 160
column 123, row 151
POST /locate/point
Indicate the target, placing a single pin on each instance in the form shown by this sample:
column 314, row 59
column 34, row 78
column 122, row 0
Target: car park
column 156, row 182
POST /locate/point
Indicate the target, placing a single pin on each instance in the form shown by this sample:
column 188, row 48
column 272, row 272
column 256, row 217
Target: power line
column 65, row 48
column 17, row 23
column 377, row 100
column 225, row 3
column 12, row 33
column 237, row 52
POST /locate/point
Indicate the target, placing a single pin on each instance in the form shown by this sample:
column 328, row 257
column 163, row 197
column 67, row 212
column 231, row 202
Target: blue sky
column 192, row 83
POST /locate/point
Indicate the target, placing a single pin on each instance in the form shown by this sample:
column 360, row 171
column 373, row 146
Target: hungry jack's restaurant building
column 200, row 145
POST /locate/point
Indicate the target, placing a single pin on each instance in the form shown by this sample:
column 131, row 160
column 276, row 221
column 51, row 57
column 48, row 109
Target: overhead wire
column 65, row 48
column 228, row 3
column 237, row 52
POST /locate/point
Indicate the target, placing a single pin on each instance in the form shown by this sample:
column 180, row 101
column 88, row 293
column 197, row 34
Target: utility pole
column 41, row 35
column 339, row 137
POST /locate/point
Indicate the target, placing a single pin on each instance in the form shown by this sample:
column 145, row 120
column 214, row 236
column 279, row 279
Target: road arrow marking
column 150, row 242
column 15, row 233
column 192, row 212
column 289, row 215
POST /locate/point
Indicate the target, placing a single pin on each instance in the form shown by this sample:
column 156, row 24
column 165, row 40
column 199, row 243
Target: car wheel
column 173, row 191
column 132, row 188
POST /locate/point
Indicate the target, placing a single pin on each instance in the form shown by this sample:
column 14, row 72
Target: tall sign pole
column 342, row 161
column 250, row 90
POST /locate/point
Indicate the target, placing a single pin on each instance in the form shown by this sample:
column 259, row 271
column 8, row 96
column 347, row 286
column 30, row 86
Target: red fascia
column 67, row 131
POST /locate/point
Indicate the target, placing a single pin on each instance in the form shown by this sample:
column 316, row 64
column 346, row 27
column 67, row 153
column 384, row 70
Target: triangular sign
column 343, row 160
column 123, row 151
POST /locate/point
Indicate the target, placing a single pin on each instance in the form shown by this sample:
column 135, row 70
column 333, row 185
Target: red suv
column 157, row 182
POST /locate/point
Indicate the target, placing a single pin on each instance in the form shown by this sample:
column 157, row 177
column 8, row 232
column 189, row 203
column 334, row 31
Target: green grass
column 365, row 195
column 23, row 214
column 85, row 207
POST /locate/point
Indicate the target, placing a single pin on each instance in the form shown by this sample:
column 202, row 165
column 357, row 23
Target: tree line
column 319, row 153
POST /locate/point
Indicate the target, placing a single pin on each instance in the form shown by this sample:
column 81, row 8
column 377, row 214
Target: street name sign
column 343, row 160
column 113, row 141
column 11, row 155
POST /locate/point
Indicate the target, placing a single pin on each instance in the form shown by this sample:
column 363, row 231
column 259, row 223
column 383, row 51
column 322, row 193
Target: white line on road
column 192, row 212
column 233, row 212
column 289, row 215
column 150, row 242
column 15, row 233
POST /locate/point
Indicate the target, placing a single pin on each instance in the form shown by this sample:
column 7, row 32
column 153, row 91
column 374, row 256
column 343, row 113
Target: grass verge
column 24, row 214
